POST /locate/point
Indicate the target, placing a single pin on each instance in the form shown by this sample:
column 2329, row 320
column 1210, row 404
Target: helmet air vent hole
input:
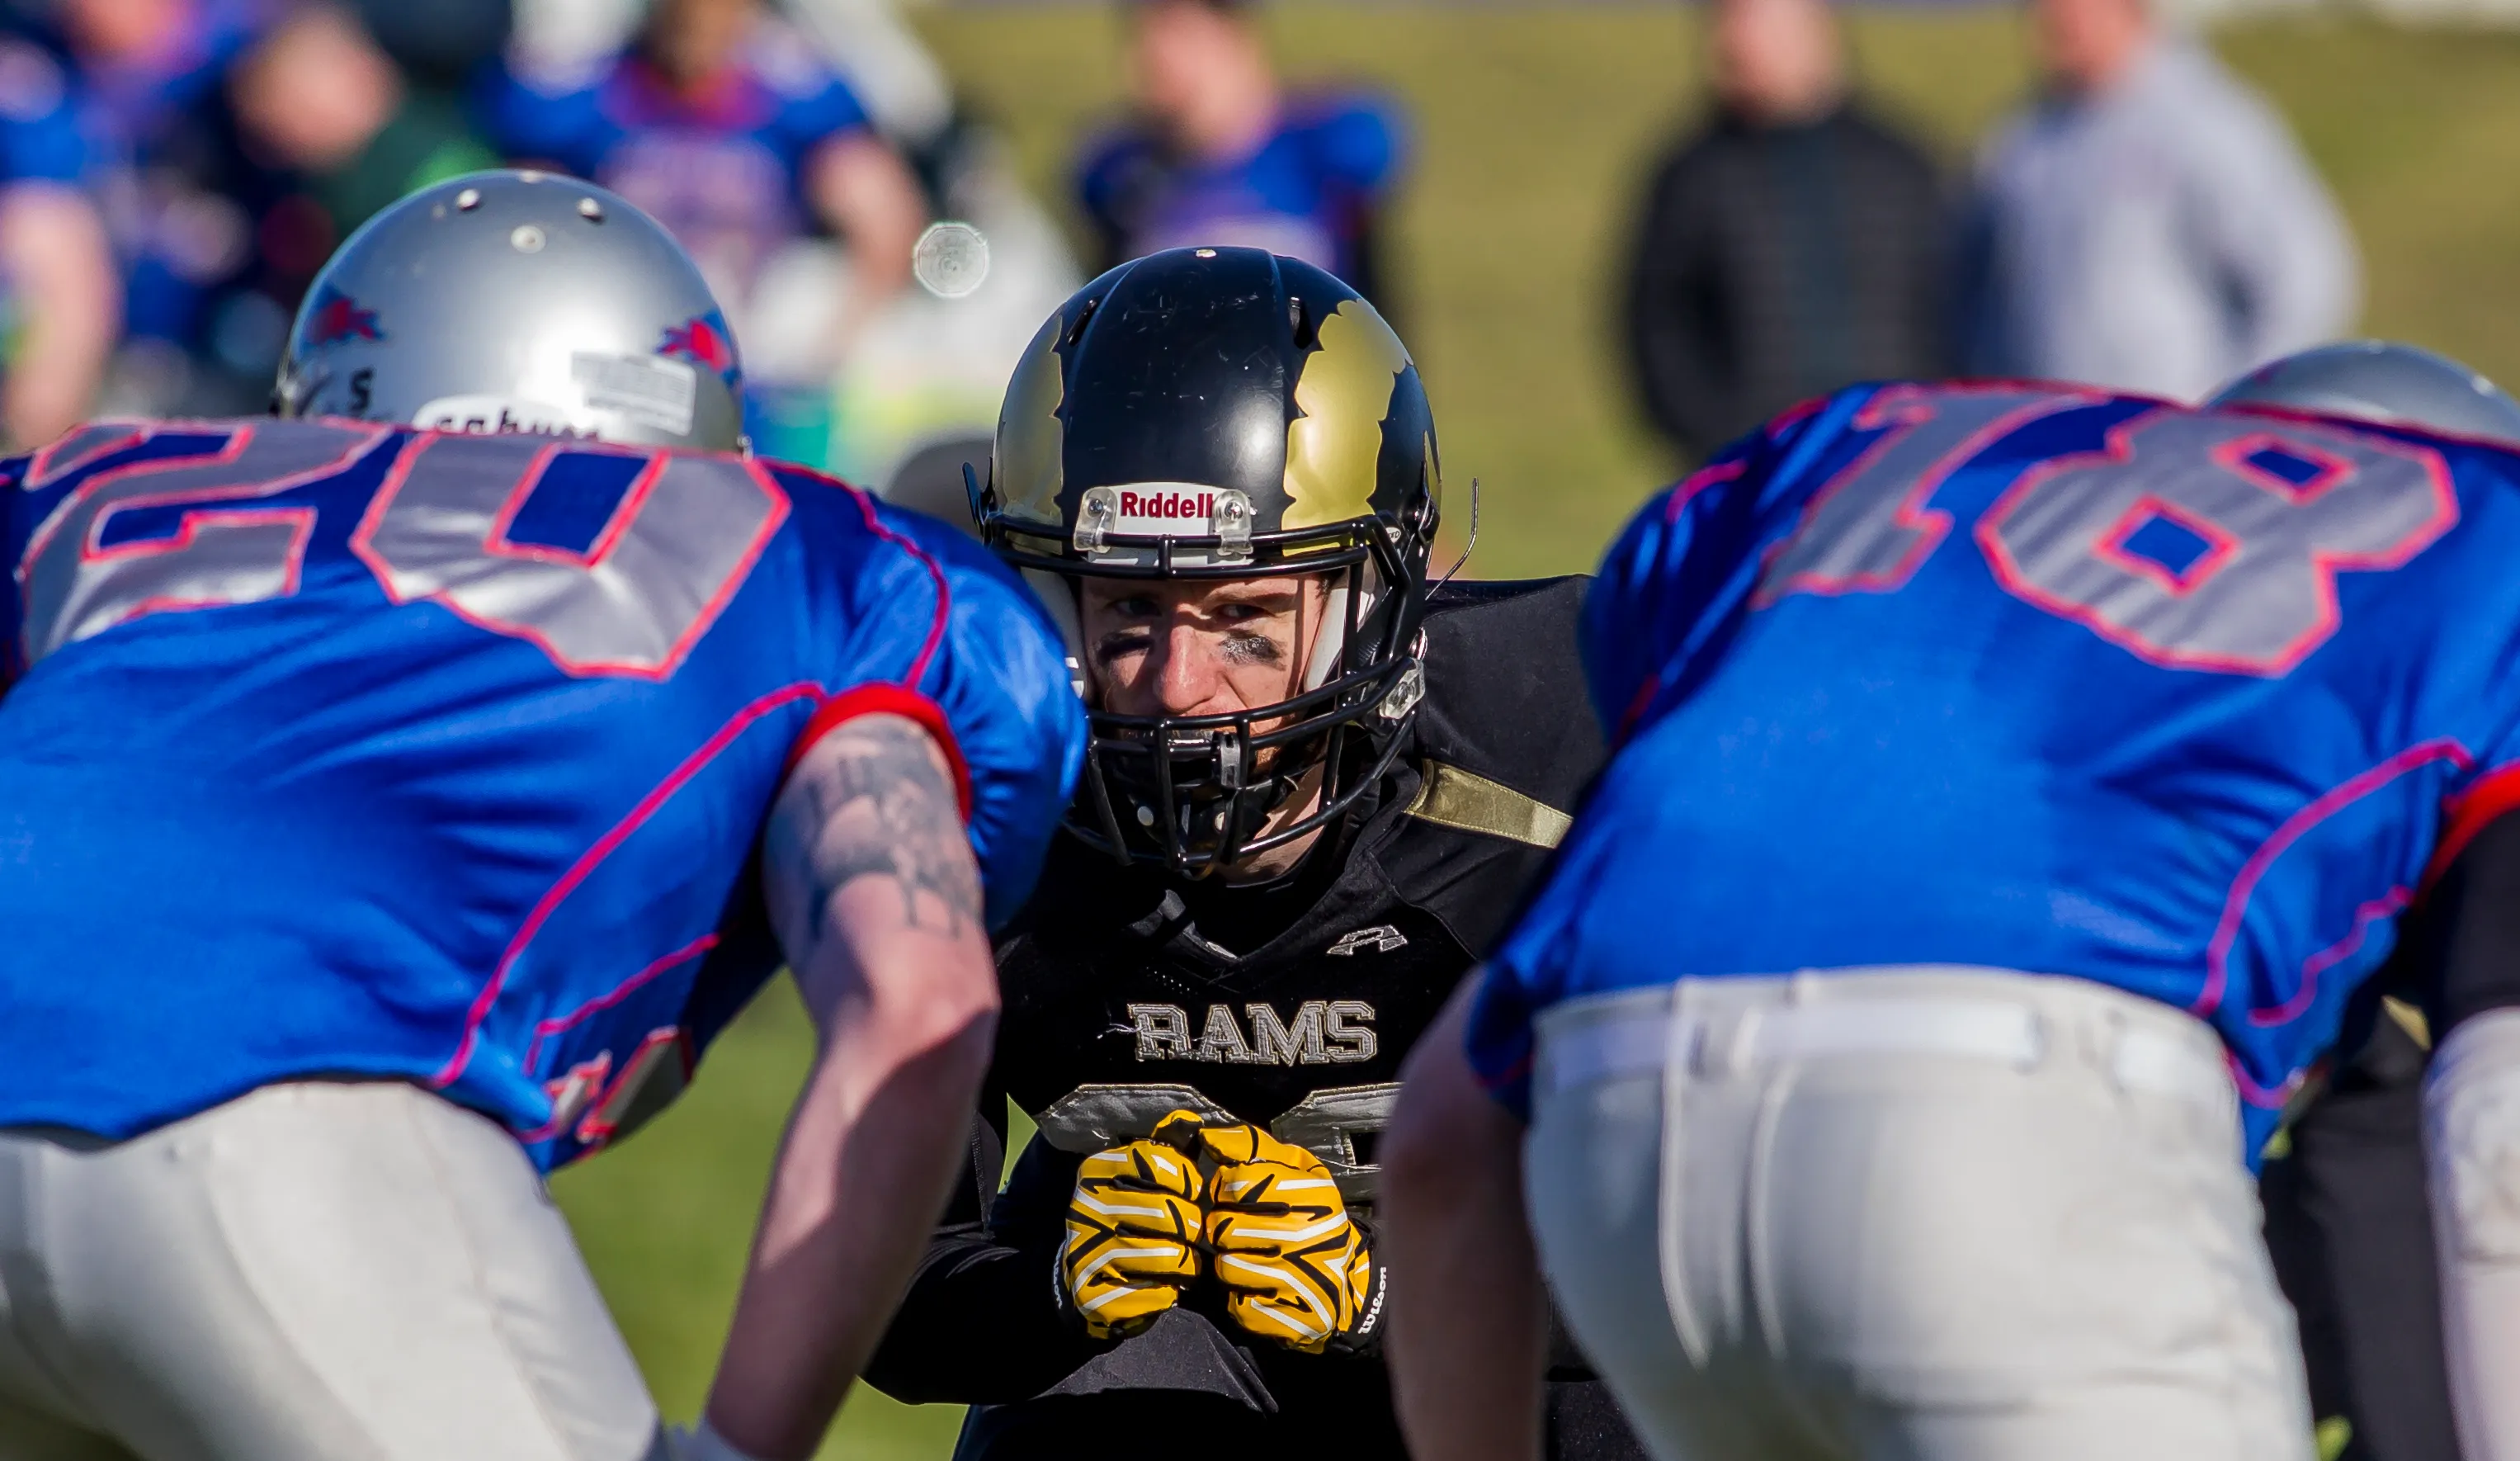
column 1300, row 320
column 527, row 239
column 1084, row 316
column 468, row 199
column 590, row 211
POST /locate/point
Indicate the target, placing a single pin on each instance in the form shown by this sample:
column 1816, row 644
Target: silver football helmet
column 517, row 301
column 2378, row 380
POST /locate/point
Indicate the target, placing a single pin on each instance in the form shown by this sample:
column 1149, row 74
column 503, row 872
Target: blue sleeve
column 994, row 668
column 1361, row 144
column 814, row 117
column 536, row 117
column 1671, row 592
column 1680, row 579
column 14, row 529
column 40, row 139
column 1100, row 168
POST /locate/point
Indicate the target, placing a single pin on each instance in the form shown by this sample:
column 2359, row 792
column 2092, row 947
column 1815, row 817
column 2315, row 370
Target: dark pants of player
column 1349, row 1416
column 2350, row 1233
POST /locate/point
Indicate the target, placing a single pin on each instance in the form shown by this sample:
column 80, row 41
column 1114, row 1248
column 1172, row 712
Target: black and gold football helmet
column 1226, row 413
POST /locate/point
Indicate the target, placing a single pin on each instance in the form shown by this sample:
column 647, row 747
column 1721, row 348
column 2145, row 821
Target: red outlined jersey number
column 2259, row 517
column 228, row 547
column 683, row 538
column 1868, row 528
column 2263, row 516
column 681, row 541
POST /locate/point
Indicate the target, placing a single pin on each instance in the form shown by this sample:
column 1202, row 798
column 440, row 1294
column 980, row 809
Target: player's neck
column 1277, row 862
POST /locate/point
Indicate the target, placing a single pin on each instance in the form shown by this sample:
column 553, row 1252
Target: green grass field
column 1534, row 126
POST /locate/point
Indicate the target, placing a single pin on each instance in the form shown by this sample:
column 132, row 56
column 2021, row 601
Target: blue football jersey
column 724, row 168
column 1308, row 191
column 329, row 748
column 2185, row 702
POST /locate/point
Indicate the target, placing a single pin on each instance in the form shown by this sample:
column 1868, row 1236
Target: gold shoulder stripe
column 2409, row 1018
column 1451, row 797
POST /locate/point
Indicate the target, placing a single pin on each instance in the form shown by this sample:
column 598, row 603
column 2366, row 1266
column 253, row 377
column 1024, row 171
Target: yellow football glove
column 1133, row 1229
column 1295, row 1267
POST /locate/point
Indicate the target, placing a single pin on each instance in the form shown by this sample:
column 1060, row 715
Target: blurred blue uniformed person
column 1220, row 154
column 396, row 798
column 2018, row 795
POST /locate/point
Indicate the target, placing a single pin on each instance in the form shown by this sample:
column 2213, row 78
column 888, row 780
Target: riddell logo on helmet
column 1159, row 510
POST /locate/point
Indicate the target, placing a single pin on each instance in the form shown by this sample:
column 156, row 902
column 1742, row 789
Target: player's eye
column 1122, row 643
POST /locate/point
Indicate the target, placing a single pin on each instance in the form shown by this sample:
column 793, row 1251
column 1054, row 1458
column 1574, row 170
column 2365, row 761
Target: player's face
column 1776, row 60
column 2084, row 43
column 1210, row 647
column 693, row 40
column 1181, row 46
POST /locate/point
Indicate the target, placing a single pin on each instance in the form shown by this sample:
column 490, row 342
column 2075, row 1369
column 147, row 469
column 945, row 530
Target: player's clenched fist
column 1296, row 1266
column 1133, row 1229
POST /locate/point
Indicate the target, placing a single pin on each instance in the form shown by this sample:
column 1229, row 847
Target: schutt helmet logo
column 1382, row 939
column 701, row 340
column 339, row 317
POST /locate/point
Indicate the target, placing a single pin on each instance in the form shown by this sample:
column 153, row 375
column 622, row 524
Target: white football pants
column 316, row 1271
column 1925, row 1213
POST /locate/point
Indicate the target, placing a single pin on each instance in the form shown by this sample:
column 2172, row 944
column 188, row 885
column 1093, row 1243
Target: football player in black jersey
column 1314, row 793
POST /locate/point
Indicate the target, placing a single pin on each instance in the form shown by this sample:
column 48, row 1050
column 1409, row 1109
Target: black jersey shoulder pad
column 1505, row 687
column 1502, row 748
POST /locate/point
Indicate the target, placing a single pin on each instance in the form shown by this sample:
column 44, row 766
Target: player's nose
column 1190, row 671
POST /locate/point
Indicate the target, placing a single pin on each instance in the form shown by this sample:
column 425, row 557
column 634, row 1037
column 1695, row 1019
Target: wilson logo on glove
column 1262, row 1217
column 1295, row 1265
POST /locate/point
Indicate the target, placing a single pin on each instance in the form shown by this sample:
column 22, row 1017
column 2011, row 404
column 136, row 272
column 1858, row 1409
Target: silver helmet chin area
column 2378, row 380
column 517, row 301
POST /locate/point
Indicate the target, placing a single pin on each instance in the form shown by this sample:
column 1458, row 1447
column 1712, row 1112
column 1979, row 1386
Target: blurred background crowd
column 177, row 170
column 1615, row 235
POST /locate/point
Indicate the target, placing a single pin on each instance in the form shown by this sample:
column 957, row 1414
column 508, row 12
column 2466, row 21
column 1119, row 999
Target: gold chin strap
column 1451, row 797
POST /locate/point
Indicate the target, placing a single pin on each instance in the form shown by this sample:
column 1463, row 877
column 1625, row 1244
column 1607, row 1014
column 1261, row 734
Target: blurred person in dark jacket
column 1219, row 152
column 1791, row 246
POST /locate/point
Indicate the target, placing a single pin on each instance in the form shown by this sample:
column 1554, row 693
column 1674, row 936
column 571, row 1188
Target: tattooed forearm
column 875, row 799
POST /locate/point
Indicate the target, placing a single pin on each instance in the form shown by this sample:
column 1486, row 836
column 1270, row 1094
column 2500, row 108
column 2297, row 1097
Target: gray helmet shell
column 517, row 301
column 2382, row 381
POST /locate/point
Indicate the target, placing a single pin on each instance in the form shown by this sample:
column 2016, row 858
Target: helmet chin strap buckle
column 1407, row 690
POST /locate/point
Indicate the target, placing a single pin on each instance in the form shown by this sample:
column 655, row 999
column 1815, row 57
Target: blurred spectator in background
column 62, row 301
column 320, row 100
column 2148, row 223
column 207, row 279
column 1791, row 246
column 721, row 121
column 1219, row 154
